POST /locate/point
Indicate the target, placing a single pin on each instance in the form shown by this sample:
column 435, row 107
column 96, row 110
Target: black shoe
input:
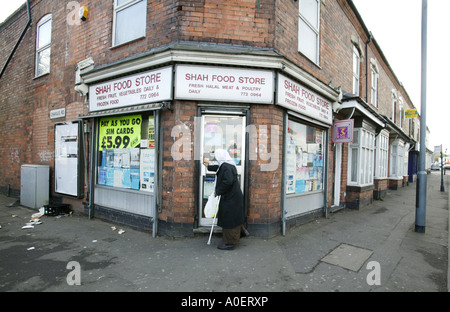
column 225, row 247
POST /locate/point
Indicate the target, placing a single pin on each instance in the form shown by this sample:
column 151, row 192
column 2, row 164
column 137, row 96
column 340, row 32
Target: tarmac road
column 373, row 249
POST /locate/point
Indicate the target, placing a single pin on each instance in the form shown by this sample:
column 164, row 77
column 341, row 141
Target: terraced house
column 122, row 99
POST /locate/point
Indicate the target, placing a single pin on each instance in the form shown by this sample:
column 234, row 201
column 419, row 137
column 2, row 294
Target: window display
column 126, row 152
column 304, row 159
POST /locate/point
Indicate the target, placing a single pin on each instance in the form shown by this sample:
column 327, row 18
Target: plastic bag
column 212, row 206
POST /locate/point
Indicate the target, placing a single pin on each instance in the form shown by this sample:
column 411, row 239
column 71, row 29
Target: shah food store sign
column 142, row 88
column 297, row 98
column 224, row 84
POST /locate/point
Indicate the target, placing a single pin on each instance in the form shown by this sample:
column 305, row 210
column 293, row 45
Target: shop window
column 126, row 152
column 304, row 159
column 356, row 70
column 382, row 152
column 43, row 45
column 309, row 29
column 361, row 158
column 129, row 20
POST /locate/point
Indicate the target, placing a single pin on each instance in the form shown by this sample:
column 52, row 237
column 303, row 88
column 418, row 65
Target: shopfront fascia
column 123, row 197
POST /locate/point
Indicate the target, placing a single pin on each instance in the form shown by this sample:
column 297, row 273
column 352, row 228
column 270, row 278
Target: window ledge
column 125, row 43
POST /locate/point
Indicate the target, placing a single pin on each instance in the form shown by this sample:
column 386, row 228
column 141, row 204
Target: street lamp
column 442, row 171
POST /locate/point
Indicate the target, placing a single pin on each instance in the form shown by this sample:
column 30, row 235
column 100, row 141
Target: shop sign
column 297, row 98
column 143, row 88
column 119, row 132
column 224, row 84
column 343, row 131
column 411, row 113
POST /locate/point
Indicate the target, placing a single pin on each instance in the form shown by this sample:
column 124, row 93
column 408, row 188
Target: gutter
column 18, row 41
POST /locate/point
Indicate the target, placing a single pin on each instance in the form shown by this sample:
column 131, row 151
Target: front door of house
column 220, row 132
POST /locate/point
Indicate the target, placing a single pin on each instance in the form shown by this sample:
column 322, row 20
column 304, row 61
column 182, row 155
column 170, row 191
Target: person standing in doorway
column 231, row 207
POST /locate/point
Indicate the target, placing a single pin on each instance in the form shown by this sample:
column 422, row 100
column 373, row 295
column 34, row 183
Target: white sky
column 396, row 25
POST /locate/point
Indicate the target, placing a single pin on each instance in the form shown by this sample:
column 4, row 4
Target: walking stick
column 214, row 221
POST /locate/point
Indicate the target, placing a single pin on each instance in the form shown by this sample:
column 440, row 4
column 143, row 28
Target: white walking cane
column 214, row 221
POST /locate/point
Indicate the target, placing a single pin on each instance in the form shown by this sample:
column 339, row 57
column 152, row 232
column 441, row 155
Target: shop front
column 124, row 114
column 308, row 120
column 152, row 129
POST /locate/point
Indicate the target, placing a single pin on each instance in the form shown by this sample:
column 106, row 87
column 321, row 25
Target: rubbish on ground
column 113, row 228
column 57, row 209
column 94, row 241
column 38, row 215
column 14, row 204
column 31, row 248
column 14, row 216
column 27, row 227
column 121, row 231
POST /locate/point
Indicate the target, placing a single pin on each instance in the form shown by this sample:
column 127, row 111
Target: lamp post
column 421, row 196
column 442, row 171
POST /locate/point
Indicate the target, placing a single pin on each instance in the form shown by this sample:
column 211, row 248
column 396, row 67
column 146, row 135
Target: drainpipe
column 18, row 41
column 283, row 176
column 367, row 66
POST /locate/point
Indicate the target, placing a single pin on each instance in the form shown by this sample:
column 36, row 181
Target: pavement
column 374, row 249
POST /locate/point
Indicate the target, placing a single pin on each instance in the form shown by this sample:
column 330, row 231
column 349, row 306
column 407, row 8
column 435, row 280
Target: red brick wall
column 178, row 176
column 241, row 22
column 265, row 186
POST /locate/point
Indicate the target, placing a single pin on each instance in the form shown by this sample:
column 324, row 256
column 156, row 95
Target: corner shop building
column 155, row 117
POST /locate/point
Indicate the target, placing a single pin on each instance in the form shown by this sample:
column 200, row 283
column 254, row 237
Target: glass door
column 220, row 132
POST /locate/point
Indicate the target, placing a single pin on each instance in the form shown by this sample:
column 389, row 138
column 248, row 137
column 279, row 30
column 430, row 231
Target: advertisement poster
column 120, row 132
column 147, row 170
column 66, row 158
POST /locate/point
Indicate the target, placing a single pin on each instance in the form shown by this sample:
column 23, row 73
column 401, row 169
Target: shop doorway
column 225, row 132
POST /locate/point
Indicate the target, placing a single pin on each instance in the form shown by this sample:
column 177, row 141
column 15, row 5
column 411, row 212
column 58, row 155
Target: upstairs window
column 374, row 86
column 401, row 113
column 43, row 45
column 356, row 70
column 308, row 29
column 394, row 108
column 129, row 20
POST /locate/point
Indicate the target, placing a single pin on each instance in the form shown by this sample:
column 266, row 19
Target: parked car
column 436, row 166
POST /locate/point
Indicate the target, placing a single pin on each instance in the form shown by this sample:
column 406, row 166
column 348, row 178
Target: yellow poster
column 120, row 132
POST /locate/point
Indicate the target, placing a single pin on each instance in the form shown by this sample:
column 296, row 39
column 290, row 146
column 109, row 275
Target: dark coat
column 231, row 207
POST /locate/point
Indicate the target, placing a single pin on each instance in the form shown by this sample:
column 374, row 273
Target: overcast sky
column 396, row 25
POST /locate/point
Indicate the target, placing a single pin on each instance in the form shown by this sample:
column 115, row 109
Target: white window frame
column 120, row 8
column 382, row 155
column 374, row 86
column 356, row 70
column 405, row 160
column 315, row 28
column 396, row 162
column 394, row 107
column 361, row 155
column 401, row 112
column 39, row 50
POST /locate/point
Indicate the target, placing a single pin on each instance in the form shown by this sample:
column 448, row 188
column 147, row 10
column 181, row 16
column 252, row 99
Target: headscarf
column 223, row 157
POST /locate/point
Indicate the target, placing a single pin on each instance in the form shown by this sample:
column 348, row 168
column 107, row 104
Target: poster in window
column 147, row 170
